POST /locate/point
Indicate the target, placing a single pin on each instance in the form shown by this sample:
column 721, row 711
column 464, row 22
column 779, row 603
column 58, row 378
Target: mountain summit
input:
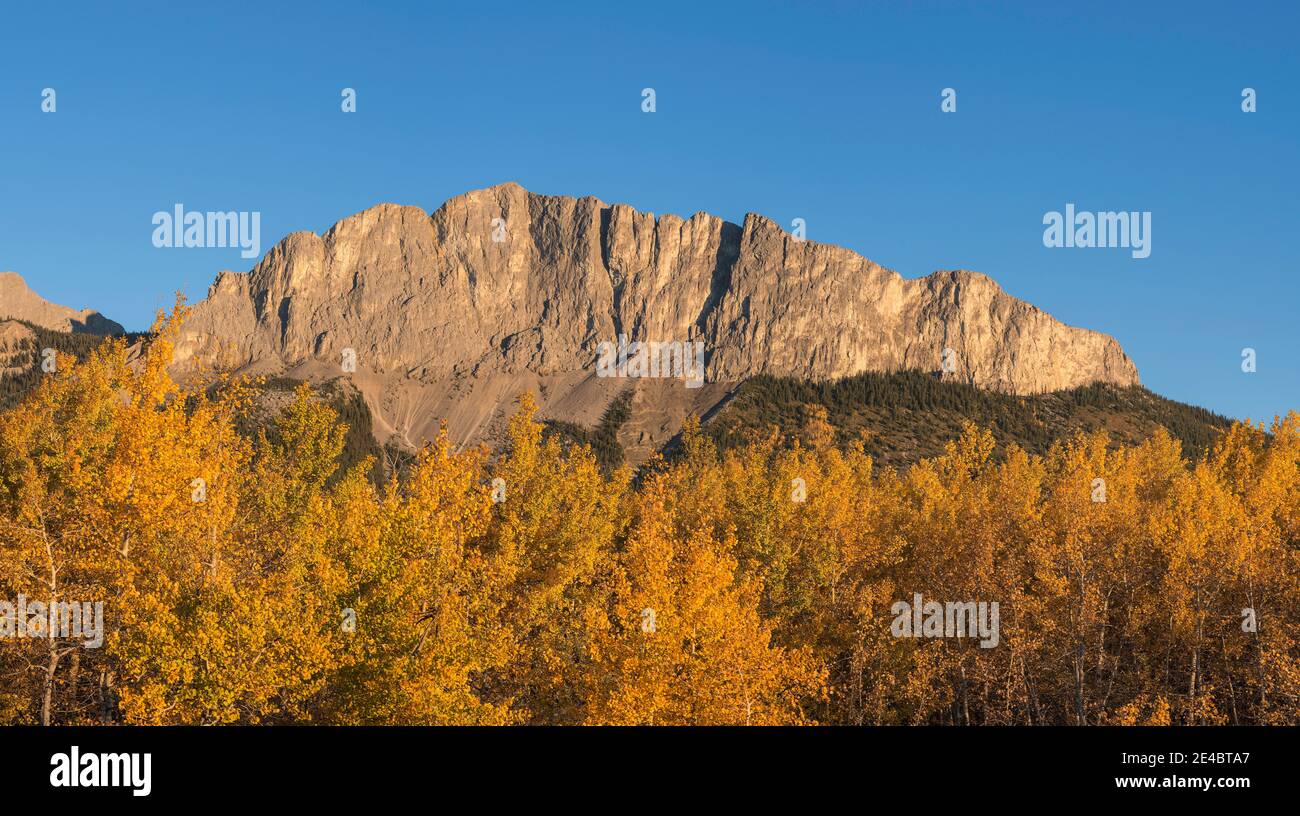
column 450, row 315
column 17, row 300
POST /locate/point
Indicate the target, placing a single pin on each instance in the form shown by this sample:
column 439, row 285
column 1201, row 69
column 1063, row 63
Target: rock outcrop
column 502, row 289
column 17, row 300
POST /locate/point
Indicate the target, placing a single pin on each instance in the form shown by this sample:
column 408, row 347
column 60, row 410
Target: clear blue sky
column 820, row 110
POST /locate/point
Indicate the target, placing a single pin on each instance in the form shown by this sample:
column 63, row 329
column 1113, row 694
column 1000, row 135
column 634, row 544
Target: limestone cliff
column 501, row 289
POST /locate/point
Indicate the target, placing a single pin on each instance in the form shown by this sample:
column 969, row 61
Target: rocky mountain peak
column 502, row 289
column 18, row 301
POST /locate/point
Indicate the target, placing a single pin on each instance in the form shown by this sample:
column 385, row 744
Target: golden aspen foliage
column 244, row 577
column 685, row 644
column 552, row 537
column 422, row 597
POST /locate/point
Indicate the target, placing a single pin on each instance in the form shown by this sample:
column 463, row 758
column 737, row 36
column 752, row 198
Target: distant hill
column 910, row 415
column 18, row 301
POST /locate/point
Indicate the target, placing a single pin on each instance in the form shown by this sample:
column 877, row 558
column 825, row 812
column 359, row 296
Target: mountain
column 903, row 417
column 452, row 315
column 19, row 302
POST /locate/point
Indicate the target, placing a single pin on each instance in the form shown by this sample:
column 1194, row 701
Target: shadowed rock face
column 434, row 299
column 19, row 301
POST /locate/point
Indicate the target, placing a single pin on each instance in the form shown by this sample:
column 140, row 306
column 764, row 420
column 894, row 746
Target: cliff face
column 434, row 299
column 436, row 295
column 19, row 301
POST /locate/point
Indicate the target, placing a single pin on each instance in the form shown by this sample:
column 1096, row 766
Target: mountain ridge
column 19, row 302
column 452, row 313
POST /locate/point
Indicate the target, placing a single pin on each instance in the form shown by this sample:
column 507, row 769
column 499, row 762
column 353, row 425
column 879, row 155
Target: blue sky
column 824, row 111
